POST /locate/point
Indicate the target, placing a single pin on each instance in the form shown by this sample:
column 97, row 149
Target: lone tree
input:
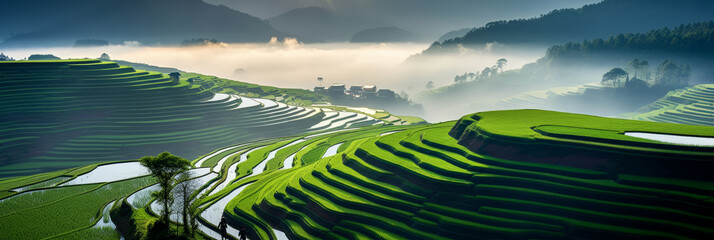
column 638, row 66
column 164, row 167
column 500, row 63
column 320, row 79
column 185, row 189
column 429, row 85
column 614, row 75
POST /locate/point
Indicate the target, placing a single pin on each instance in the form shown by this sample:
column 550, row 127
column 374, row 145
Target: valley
column 310, row 119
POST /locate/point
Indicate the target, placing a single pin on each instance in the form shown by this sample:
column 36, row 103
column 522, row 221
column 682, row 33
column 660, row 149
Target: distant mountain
column 147, row 21
column 312, row 24
column 590, row 21
column 24, row 16
column 428, row 18
column 454, row 34
column 384, row 34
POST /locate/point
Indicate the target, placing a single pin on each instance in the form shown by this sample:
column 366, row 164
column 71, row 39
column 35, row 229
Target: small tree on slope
column 185, row 189
column 164, row 167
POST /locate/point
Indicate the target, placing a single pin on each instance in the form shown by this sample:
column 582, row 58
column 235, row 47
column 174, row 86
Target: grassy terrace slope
column 691, row 105
column 67, row 204
column 60, row 114
column 587, row 142
column 484, row 177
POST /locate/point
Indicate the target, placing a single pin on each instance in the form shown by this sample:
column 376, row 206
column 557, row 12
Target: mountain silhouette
column 149, row 22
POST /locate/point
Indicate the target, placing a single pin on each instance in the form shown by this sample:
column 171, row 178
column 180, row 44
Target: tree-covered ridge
column 694, row 38
column 669, row 58
column 590, row 21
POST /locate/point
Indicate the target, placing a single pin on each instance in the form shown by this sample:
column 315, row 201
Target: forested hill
column 591, row 21
column 674, row 54
column 695, row 38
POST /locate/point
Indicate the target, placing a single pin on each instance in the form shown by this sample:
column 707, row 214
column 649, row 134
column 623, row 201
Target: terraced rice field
column 483, row 177
column 61, row 114
column 454, row 181
column 265, row 158
column 505, row 174
column 60, row 211
column 379, row 114
column 692, row 105
column 544, row 99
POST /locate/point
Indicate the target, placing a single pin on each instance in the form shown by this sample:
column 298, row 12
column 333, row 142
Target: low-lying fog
column 294, row 65
column 291, row 64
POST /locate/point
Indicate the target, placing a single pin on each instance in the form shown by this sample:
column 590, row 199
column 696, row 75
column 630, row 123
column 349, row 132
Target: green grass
column 64, row 213
column 382, row 115
column 39, row 180
column 93, row 233
column 33, row 199
column 566, row 139
column 296, row 97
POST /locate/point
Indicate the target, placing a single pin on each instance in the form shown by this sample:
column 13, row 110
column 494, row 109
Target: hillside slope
column 520, row 174
column 59, row 114
column 597, row 20
column 574, row 64
column 494, row 175
column 692, row 105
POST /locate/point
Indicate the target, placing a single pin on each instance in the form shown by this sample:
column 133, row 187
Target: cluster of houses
column 366, row 92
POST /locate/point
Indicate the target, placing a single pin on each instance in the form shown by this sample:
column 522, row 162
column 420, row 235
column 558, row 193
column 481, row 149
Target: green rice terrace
column 68, row 113
column 518, row 174
column 691, row 105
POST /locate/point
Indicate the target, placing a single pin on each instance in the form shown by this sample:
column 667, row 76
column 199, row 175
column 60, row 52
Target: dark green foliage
column 164, row 167
column 670, row 74
column 572, row 63
column 597, row 20
column 615, row 75
column 694, row 38
column 140, row 225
